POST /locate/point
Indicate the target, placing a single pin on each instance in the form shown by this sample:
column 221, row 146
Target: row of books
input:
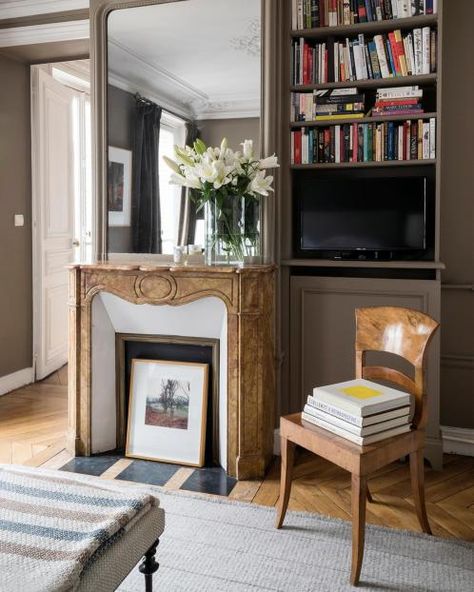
column 359, row 410
column 310, row 14
column 330, row 105
column 384, row 56
column 365, row 142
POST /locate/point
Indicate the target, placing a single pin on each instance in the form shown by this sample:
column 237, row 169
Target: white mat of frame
column 218, row 545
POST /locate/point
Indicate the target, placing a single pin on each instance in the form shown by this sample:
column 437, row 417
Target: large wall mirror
column 176, row 71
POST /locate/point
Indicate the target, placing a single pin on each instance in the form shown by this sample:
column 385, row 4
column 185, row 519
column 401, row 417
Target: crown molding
column 151, row 94
column 137, row 74
column 65, row 31
column 21, row 8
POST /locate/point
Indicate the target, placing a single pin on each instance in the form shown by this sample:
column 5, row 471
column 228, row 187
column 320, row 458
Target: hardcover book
column 361, row 397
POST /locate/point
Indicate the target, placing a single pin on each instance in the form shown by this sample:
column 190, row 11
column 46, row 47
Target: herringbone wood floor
column 32, row 431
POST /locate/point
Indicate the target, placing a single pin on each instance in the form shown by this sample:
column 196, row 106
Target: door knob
column 75, row 243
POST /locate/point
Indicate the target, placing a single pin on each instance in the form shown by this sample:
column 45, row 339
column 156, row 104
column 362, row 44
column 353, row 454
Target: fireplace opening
column 168, row 348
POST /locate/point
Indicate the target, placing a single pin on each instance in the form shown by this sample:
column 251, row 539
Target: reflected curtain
column 146, row 219
column 187, row 212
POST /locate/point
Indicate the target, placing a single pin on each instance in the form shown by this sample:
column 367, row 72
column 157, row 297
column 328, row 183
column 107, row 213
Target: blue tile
column 91, row 465
column 212, row 480
column 148, row 471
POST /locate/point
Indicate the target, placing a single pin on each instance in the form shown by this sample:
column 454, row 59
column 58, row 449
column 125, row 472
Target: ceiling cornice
column 65, row 31
column 139, row 75
column 21, row 8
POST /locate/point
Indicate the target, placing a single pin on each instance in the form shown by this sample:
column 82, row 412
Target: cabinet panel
column 323, row 333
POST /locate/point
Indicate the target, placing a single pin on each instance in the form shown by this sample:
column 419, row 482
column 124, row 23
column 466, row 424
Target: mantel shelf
column 420, row 79
column 372, row 27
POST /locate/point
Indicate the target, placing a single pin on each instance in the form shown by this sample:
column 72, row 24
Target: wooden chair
column 400, row 331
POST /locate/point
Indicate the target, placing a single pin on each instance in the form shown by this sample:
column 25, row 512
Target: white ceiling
column 200, row 57
column 21, row 8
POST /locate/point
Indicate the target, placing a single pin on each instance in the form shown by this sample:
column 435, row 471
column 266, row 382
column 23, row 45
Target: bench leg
column 149, row 566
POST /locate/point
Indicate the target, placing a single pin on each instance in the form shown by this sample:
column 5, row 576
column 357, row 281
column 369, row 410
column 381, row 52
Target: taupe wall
column 15, row 198
column 457, row 216
column 121, row 108
column 16, row 319
column 235, row 130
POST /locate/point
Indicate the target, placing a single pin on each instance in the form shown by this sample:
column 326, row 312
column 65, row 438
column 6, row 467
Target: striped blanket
column 54, row 526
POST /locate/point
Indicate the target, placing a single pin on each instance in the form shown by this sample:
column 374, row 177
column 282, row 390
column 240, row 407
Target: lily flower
column 270, row 162
column 173, row 165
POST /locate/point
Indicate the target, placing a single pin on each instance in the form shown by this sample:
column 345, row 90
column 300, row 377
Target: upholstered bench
column 61, row 532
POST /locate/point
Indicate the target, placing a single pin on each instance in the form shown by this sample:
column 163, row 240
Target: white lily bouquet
column 230, row 185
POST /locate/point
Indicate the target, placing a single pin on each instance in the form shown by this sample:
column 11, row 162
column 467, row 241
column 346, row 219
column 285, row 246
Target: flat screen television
column 365, row 217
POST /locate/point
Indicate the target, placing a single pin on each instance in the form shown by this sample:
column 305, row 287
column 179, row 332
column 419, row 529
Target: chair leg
column 370, row 499
column 287, row 460
column 359, row 498
column 417, row 473
column 149, row 566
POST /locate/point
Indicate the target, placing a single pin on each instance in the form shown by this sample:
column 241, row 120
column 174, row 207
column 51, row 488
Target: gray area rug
column 223, row 546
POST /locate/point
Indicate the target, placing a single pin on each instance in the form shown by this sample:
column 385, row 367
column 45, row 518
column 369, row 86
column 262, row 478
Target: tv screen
column 363, row 214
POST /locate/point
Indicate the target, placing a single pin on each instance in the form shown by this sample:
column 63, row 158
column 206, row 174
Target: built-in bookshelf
column 363, row 90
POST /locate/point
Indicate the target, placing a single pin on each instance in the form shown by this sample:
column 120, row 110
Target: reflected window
column 172, row 131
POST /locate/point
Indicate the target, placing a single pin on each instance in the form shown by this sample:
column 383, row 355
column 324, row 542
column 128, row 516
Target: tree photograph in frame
column 167, row 411
column 119, row 187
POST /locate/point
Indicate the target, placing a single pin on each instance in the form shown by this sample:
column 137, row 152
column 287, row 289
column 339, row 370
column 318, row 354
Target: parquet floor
column 32, row 431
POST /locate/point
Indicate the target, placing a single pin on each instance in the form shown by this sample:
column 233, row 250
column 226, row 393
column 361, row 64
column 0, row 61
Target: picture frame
column 119, row 187
column 167, row 411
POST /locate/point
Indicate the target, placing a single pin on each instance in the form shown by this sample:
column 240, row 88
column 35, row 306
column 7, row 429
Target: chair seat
column 344, row 453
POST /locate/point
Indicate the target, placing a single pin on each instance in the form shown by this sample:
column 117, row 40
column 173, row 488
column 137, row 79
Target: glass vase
column 232, row 230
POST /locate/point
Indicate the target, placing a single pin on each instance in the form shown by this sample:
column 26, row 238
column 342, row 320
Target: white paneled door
column 53, row 217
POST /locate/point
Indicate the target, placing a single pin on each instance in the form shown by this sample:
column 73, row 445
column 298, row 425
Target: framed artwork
column 119, row 187
column 167, row 411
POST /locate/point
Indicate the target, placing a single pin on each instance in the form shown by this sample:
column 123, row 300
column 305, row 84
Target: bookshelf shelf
column 421, row 80
column 366, row 28
column 424, row 116
column 361, row 165
column 363, row 264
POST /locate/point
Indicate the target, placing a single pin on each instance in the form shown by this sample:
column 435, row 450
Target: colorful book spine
column 359, row 142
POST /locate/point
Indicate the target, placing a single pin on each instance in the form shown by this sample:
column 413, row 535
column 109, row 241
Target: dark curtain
column 187, row 212
column 146, row 221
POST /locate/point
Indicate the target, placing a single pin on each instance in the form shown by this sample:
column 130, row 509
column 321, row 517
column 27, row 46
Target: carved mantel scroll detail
column 248, row 294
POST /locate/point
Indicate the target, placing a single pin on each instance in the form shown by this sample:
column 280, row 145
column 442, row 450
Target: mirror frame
column 270, row 137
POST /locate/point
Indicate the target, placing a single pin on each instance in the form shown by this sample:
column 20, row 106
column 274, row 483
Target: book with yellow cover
column 339, row 116
column 361, row 397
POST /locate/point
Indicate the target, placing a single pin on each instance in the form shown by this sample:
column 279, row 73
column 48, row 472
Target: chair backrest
column 401, row 331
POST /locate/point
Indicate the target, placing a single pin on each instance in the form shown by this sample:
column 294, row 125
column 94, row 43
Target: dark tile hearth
column 212, row 480
column 147, row 471
column 91, row 465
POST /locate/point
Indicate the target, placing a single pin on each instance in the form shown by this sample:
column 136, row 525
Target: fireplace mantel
column 248, row 294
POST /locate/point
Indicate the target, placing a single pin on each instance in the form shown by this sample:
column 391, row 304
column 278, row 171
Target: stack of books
column 402, row 100
column 359, row 410
column 387, row 55
column 307, row 14
column 324, row 105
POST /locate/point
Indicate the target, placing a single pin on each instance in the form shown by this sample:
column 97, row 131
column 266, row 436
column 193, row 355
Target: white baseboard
column 16, row 380
column 458, row 440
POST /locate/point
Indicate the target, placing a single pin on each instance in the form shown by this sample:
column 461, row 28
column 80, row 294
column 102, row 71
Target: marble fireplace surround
column 248, row 314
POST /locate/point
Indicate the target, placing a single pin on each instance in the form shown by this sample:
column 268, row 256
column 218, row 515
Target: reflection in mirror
column 177, row 71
